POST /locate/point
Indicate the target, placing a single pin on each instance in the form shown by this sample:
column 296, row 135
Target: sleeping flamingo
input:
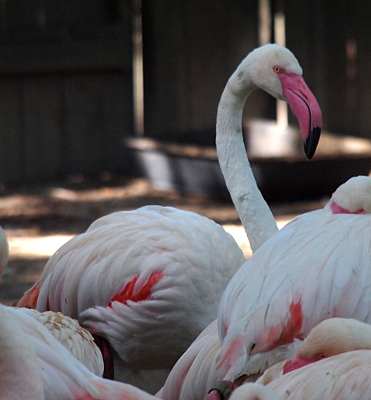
column 196, row 371
column 150, row 280
column 316, row 267
column 138, row 277
column 35, row 365
column 20, row 376
column 345, row 376
column 330, row 337
column 72, row 336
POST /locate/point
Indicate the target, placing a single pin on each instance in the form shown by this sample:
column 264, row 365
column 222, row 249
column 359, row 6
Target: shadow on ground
column 65, row 209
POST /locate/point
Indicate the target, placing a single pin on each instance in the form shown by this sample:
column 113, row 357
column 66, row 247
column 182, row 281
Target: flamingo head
column 253, row 391
column 331, row 337
column 275, row 69
column 352, row 197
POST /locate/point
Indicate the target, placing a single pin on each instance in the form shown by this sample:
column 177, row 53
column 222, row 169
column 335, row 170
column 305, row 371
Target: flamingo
column 138, row 278
column 330, row 337
column 193, row 375
column 150, row 280
column 316, row 267
column 35, row 365
column 72, row 336
column 274, row 69
column 345, row 376
column 20, row 376
column 196, row 371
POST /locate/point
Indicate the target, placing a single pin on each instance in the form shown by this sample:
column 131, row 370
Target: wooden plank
column 98, row 114
column 357, row 94
column 336, row 62
column 306, row 37
column 84, row 124
column 164, row 63
column 117, row 111
column 214, row 58
column 185, row 71
column 43, row 128
column 65, row 89
column 84, row 55
column 11, row 125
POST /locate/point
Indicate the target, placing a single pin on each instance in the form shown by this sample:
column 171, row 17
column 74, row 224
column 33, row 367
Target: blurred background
column 79, row 79
column 111, row 104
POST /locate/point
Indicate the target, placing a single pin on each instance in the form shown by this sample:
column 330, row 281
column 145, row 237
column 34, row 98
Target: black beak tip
column 311, row 142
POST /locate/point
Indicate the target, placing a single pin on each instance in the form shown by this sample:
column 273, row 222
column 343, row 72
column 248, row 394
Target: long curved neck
column 255, row 215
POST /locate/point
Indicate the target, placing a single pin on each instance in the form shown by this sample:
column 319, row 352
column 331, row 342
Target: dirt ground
column 39, row 219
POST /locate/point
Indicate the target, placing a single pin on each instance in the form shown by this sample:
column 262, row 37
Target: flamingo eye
column 276, row 69
column 320, row 356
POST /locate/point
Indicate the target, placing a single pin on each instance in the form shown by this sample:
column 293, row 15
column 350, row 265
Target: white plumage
column 194, row 374
column 342, row 377
column 316, row 267
column 35, row 365
column 20, row 377
column 329, row 338
column 72, row 336
column 168, row 268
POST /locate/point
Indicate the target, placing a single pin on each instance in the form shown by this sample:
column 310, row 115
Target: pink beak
column 305, row 107
column 295, row 363
column 336, row 209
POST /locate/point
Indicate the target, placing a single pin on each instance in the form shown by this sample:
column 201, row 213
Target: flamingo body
column 72, row 336
column 193, row 375
column 316, row 267
column 341, row 377
column 20, row 377
column 55, row 374
column 138, row 277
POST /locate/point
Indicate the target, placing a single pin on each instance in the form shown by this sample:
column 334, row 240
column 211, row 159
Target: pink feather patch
column 278, row 336
column 143, row 294
column 292, row 328
column 29, row 299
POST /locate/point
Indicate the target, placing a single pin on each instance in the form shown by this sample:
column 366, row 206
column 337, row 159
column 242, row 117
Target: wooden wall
column 65, row 88
column 66, row 101
column 192, row 47
column 332, row 41
column 190, row 50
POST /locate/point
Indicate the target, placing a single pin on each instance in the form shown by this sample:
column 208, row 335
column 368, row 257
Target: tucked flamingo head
column 329, row 338
column 276, row 70
column 352, row 197
column 253, row 391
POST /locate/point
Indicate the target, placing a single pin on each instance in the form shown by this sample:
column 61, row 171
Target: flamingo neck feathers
column 254, row 213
